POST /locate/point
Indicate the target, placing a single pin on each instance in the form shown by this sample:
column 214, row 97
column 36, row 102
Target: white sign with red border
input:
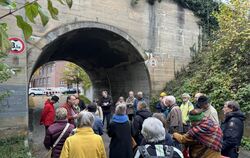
column 17, row 45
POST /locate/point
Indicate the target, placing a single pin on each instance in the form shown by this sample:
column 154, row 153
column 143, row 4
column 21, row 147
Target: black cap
column 91, row 107
column 203, row 100
column 55, row 98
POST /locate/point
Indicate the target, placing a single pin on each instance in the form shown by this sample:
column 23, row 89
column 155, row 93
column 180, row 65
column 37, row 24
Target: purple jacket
column 53, row 133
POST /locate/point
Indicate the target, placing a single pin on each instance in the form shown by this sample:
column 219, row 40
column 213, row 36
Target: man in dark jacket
column 106, row 102
column 141, row 114
column 233, row 127
column 55, row 130
column 48, row 113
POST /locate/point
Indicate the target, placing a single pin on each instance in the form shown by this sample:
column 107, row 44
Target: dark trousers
column 232, row 153
column 107, row 117
column 130, row 116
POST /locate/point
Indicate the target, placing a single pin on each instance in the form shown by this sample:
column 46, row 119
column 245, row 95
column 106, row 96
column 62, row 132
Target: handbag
column 49, row 153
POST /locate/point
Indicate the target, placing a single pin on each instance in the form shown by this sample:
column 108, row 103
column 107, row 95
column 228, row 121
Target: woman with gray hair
column 84, row 143
column 154, row 135
column 55, row 130
column 120, row 133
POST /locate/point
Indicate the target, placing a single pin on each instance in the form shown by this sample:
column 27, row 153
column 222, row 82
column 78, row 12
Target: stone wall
column 164, row 31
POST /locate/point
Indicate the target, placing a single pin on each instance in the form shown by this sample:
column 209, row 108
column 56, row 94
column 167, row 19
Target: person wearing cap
column 185, row 107
column 98, row 125
column 159, row 106
column 204, row 138
column 48, row 112
column 209, row 110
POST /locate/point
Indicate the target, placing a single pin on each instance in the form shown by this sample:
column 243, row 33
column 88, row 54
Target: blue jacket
column 98, row 126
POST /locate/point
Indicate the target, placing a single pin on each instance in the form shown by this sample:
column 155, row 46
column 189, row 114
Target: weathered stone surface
column 121, row 31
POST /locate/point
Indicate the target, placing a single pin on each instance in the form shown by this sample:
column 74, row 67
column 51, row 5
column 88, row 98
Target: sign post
column 17, row 45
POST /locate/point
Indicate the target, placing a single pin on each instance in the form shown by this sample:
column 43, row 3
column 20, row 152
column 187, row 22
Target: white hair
column 61, row 113
column 85, row 119
column 153, row 130
column 171, row 99
column 121, row 109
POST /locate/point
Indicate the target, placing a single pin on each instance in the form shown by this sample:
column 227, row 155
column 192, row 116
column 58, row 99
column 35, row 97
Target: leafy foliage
column 85, row 99
column 74, row 74
column 222, row 68
column 13, row 147
column 32, row 10
column 245, row 143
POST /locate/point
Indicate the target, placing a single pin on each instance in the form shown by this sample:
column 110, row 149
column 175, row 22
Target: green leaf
column 53, row 11
column 61, row 2
column 4, row 42
column 26, row 28
column 43, row 15
column 69, row 3
column 31, row 11
column 8, row 3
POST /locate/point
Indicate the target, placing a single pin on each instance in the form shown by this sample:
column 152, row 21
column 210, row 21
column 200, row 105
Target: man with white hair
column 154, row 134
column 174, row 118
column 84, row 143
column 138, row 99
column 186, row 107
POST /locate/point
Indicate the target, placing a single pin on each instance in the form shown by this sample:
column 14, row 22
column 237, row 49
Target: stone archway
column 112, row 58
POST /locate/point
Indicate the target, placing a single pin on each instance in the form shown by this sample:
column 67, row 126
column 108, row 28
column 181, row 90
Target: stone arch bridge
column 121, row 47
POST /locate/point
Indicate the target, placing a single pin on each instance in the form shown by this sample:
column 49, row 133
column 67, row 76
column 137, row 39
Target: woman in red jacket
column 48, row 113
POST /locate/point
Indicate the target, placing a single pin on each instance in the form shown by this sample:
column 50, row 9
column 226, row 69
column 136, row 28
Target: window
column 62, row 83
column 48, row 81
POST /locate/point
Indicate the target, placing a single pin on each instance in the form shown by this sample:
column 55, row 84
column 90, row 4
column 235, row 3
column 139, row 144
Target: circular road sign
column 17, row 45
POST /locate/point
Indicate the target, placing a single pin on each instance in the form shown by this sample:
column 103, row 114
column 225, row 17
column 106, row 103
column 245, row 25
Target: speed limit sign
column 17, row 45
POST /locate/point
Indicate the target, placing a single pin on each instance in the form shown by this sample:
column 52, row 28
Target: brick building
column 49, row 75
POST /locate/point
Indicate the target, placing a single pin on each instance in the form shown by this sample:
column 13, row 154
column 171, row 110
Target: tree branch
column 11, row 12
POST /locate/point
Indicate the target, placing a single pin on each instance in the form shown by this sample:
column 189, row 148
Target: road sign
column 17, row 45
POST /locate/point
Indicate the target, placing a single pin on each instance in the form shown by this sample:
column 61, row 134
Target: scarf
column 196, row 118
column 207, row 133
column 120, row 118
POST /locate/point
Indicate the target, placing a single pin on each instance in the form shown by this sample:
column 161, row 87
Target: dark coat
column 140, row 116
column 53, row 133
column 82, row 105
column 120, row 133
column 106, row 108
column 232, row 127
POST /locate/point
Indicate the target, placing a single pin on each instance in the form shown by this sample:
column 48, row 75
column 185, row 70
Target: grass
column 245, row 143
column 13, row 148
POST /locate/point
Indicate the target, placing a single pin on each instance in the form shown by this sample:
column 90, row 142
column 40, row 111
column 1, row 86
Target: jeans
column 107, row 117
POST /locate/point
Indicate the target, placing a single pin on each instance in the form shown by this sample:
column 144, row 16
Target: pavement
column 37, row 131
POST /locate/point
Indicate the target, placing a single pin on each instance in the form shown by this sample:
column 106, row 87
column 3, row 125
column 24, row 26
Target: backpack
column 168, row 152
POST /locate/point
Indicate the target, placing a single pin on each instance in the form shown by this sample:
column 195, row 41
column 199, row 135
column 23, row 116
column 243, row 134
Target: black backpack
column 168, row 151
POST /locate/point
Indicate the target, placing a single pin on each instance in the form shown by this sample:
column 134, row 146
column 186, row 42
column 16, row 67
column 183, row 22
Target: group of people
column 186, row 130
